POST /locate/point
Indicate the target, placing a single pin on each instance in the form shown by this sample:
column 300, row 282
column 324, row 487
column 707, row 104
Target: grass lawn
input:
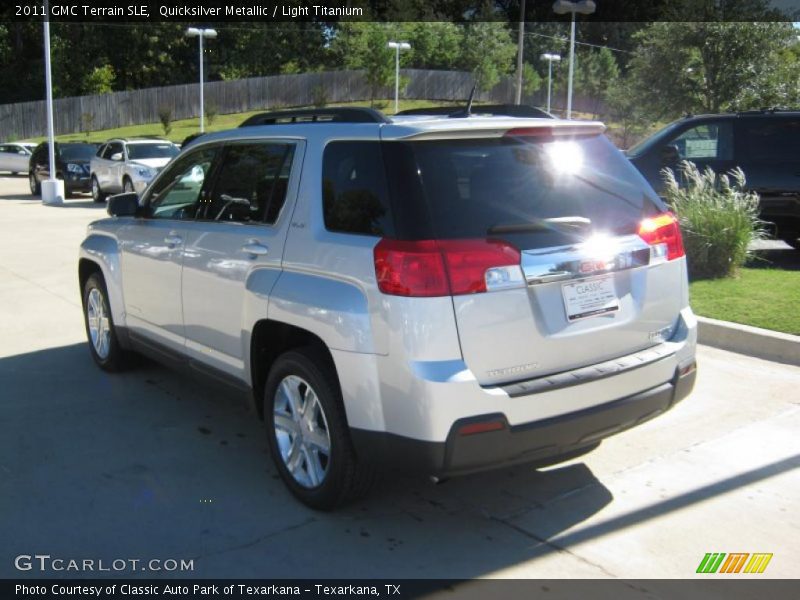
column 765, row 298
column 185, row 127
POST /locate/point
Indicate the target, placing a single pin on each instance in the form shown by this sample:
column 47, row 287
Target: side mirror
column 670, row 155
column 116, row 156
column 124, row 205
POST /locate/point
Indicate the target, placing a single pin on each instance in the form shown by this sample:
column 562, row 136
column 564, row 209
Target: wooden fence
column 118, row 109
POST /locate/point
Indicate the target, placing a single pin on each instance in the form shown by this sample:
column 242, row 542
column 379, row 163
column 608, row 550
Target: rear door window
column 772, row 139
column 252, row 183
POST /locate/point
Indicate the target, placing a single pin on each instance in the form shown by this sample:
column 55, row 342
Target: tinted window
column 101, row 151
column 6, row 149
column 77, row 151
column 354, row 189
column 251, row 185
column 710, row 141
column 511, row 187
column 140, row 151
column 772, row 139
column 176, row 194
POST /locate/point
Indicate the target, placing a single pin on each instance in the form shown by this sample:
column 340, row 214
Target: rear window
column 516, row 188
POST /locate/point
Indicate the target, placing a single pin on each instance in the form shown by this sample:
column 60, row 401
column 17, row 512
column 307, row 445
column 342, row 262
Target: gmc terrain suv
column 440, row 294
column 128, row 165
column 764, row 143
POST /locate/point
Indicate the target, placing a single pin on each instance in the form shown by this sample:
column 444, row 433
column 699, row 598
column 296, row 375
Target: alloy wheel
column 99, row 325
column 301, row 431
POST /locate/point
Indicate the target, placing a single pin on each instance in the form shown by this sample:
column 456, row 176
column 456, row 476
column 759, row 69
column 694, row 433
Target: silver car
column 14, row 157
column 443, row 295
column 128, row 165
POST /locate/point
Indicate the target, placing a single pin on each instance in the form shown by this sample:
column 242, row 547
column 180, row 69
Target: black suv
column 72, row 165
column 765, row 144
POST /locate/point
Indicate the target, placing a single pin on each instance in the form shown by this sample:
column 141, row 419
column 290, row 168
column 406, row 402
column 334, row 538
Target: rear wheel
column 100, row 331
column 36, row 187
column 98, row 195
column 308, row 434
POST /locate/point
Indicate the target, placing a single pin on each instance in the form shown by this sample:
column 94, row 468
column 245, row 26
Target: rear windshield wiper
column 568, row 224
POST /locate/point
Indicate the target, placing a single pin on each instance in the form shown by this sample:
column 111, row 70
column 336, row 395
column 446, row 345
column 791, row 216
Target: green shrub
column 718, row 218
column 319, row 96
column 211, row 113
column 165, row 116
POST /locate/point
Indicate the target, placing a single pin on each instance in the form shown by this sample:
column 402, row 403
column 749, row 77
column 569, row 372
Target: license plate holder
column 591, row 297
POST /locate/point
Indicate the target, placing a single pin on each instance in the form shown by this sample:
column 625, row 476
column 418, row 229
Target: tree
column 597, row 76
column 363, row 45
column 100, row 80
column 488, row 52
column 708, row 67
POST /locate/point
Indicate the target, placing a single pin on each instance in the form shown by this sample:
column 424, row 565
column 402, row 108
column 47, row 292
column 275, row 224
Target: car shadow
column 787, row 259
column 153, row 463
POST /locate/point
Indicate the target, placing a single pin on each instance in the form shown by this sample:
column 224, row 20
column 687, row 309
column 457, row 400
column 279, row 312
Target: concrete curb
column 753, row 341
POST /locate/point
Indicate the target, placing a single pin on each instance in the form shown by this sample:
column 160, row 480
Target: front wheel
column 36, row 187
column 100, row 331
column 127, row 186
column 308, row 434
column 98, row 195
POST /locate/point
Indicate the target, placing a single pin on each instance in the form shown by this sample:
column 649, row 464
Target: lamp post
column 53, row 188
column 200, row 34
column 562, row 7
column 397, row 46
column 520, row 48
column 550, row 58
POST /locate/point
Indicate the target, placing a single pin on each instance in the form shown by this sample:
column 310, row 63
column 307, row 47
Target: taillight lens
column 440, row 267
column 663, row 229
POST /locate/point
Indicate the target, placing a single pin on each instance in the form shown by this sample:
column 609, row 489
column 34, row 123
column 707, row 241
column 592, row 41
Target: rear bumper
column 541, row 442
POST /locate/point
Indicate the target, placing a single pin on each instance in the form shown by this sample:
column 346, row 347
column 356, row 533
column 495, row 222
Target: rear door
column 236, row 239
column 572, row 208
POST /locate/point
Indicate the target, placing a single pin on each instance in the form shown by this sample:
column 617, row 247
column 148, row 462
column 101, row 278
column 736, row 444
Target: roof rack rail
column 520, row 111
column 350, row 114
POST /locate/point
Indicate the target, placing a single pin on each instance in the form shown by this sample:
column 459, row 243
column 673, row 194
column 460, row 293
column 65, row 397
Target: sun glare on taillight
column 442, row 267
column 663, row 229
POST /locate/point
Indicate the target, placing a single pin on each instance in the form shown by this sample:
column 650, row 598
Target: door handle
column 253, row 248
column 173, row 239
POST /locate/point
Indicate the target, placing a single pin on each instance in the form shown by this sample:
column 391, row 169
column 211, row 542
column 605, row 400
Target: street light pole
column 549, row 57
column 201, row 33
column 520, row 46
column 52, row 189
column 397, row 46
column 561, row 7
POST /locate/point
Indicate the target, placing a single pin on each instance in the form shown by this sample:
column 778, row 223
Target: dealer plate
column 590, row 297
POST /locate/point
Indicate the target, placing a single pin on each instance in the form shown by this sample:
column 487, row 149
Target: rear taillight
column 663, row 230
column 445, row 267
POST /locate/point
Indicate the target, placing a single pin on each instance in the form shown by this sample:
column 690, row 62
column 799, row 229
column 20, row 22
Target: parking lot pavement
column 153, row 465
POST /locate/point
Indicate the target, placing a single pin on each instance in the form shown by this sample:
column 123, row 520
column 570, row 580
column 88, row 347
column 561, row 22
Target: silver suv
column 128, row 165
column 442, row 295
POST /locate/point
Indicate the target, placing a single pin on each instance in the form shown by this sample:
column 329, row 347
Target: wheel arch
column 100, row 254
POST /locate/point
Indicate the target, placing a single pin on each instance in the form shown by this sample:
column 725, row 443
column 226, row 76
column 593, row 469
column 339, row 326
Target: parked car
column 444, row 295
column 765, row 144
column 128, row 165
column 72, row 165
column 15, row 156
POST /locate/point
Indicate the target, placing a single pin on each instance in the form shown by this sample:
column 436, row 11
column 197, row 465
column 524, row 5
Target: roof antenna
column 460, row 114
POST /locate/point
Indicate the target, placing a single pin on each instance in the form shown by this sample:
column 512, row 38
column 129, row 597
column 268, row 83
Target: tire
column 100, row 332
column 36, row 187
column 127, row 186
column 98, row 195
column 318, row 478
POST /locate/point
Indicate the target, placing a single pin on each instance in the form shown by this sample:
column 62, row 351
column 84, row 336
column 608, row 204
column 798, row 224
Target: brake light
column 429, row 268
column 663, row 229
column 583, row 129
